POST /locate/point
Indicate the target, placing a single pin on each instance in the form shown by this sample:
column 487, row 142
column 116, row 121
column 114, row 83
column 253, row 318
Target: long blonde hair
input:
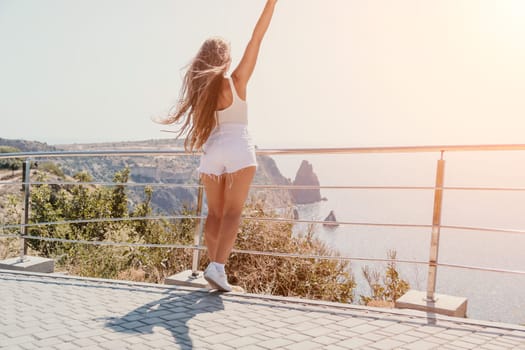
column 199, row 93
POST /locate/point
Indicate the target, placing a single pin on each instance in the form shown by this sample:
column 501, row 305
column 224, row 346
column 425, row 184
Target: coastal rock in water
column 306, row 177
column 330, row 220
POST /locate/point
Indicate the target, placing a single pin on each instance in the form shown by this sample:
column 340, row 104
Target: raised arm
column 244, row 70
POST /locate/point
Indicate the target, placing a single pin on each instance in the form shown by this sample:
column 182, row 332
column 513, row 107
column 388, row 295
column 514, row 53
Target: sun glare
column 505, row 21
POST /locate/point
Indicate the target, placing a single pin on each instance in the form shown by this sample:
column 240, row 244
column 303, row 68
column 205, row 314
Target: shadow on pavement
column 171, row 312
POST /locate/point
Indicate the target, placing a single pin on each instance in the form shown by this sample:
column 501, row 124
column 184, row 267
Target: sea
column 486, row 190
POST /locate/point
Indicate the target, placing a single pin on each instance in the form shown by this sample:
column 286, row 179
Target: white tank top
column 237, row 112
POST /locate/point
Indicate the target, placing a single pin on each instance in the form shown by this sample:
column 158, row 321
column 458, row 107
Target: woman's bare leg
column 236, row 191
column 214, row 187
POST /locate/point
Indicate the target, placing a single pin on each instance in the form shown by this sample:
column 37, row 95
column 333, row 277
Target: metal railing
column 435, row 226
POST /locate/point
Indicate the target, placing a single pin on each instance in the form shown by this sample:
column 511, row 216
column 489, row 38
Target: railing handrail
column 265, row 253
column 436, row 225
column 277, row 151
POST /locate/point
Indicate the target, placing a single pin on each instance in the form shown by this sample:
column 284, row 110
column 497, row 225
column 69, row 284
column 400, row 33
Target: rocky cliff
column 173, row 170
column 269, row 174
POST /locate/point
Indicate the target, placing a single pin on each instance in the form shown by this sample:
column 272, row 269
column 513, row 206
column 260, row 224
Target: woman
column 213, row 112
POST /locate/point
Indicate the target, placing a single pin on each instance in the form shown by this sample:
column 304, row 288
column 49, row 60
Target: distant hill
column 27, row 146
column 125, row 145
column 173, row 170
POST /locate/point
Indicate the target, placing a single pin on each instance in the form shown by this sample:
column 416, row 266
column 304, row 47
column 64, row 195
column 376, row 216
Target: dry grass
column 309, row 278
column 9, row 248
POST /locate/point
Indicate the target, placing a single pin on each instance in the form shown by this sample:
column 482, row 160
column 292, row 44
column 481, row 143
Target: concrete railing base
column 30, row 263
column 185, row 278
column 443, row 304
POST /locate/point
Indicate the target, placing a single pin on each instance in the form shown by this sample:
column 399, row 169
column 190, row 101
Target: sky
column 331, row 73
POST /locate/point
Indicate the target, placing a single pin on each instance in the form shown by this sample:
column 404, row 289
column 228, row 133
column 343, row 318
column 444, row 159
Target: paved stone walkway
column 58, row 312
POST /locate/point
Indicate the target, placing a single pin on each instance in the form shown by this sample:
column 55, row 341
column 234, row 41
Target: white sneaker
column 212, row 284
column 216, row 279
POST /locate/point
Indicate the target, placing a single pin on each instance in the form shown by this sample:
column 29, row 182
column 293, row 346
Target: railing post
column 436, row 226
column 198, row 233
column 26, row 174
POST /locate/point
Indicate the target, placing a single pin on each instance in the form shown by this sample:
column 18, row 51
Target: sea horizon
column 491, row 296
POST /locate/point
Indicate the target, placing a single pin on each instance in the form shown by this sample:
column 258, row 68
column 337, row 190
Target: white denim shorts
column 228, row 149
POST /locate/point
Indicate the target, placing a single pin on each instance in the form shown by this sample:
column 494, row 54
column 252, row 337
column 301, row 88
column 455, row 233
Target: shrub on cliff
column 385, row 289
column 287, row 276
column 11, row 163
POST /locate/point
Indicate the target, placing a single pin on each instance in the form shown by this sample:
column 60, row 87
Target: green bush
column 298, row 277
column 311, row 278
column 11, row 163
column 387, row 289
column 52, row 168
column 10, row 214
column 50, row 203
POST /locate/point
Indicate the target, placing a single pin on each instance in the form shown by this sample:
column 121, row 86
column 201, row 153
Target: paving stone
column 253, row 347
column 261, row 337
column 62, row 313
column 405, row 339
column 364, row 329
column 113, row 344
column 384, row 324
column 66, row 338
column 274, row 333
column 318, row 331
column 347, row 334
column 67, row 346
column 160, row 344
column 202, row 333
column 475, row 339
column 51, row 334
column 506, row 341
column 85, row 342
column 13, row 332
column 221, row 347
column 220, row 338
column 326, row 340
column 296, row 319
column 421, row 345
column 275, row 343
column 304, row 326
column 352, row 322
column 297, row 337
column 304, row 345
column 353, row 343
column 387, row 344
column 277, row 324
column 417, row 334
column 333, row 347
column 133, row 340
column 460, row 344
column 493, row 346
column 398, row 328
column 437, row 340
column 17, row 341
column 374, row 336
column 457, row 332
column 241, row 342
column 439, row 329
